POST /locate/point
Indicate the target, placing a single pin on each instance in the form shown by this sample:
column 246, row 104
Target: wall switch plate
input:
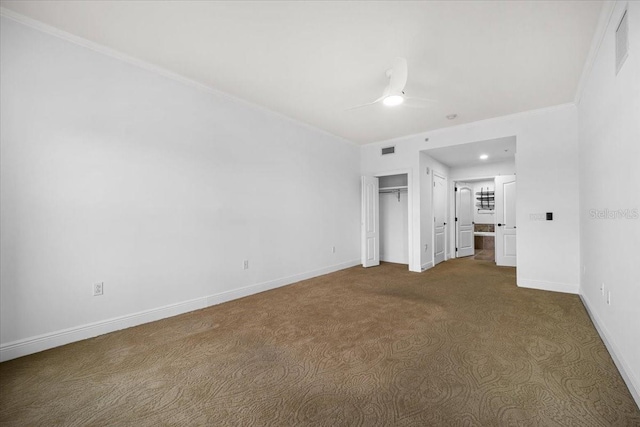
column 333, row 249
column 602, row 288
column 245, row 264
column 98, row 289
column 608, row 297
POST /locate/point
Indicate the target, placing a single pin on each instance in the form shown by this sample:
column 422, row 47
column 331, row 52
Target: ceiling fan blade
column 367, row 104
column 398, row 77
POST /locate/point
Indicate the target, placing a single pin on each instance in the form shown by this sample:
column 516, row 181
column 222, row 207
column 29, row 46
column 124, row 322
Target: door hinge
column 456, row 249
column 455, row 189
column 456, row 219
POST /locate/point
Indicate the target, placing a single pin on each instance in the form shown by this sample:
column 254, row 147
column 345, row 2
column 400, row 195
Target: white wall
column 115, row 174
column 547, row 167
column 609, row 134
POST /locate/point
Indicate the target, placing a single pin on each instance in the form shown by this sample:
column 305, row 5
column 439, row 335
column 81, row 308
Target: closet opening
column 394, row 218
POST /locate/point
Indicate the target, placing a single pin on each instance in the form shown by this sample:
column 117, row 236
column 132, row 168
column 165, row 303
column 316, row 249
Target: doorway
column 386, row 219
column 394, row 218
column 475, row 218
column 473, row 204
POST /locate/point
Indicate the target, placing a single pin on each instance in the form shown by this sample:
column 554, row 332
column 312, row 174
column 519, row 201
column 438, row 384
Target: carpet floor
column 458, row 345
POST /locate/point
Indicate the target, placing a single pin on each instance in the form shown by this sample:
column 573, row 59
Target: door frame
column 409, row 210
column 433, row 217
column 452, row 207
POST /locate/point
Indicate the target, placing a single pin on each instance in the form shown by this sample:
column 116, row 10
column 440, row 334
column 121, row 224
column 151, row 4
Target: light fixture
column 483, row 157
column 393, row 100
column 451, row 116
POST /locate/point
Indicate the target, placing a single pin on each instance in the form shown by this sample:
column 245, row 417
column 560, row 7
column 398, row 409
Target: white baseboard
column 549, row 286
column 272, row 284
column 621, row 364
column 426, row 266
column 43, row 342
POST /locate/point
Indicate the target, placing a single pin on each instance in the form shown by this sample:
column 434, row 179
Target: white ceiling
column 313, row 60
column 497, row 150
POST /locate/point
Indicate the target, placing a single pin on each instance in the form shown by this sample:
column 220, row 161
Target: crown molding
column 96, row 47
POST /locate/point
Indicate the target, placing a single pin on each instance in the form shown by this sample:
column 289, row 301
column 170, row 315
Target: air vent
column 388, row 150
column 622, row 41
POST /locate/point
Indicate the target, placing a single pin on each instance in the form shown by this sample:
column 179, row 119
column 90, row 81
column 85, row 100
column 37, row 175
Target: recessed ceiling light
column 452, row 116
column 393, row 100
column 483, row 157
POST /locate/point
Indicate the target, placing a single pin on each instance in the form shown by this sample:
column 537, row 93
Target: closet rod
column 395, row 190
column 382, row 190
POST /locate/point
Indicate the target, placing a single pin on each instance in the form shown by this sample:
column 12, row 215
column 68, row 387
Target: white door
column 464, row 221
column 370, row 222
column 439, row 218
column 505, row 198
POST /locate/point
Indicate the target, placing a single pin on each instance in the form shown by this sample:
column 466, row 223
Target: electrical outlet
column 245, row 265
column 602, row 288
column 98, row 289
column 608, row 297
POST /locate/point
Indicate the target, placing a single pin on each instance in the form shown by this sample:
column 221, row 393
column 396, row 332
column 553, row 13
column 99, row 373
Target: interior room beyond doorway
column 477, row 230
column 480, row 200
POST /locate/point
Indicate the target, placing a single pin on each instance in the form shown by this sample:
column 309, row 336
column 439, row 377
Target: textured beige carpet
column 458, row 345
